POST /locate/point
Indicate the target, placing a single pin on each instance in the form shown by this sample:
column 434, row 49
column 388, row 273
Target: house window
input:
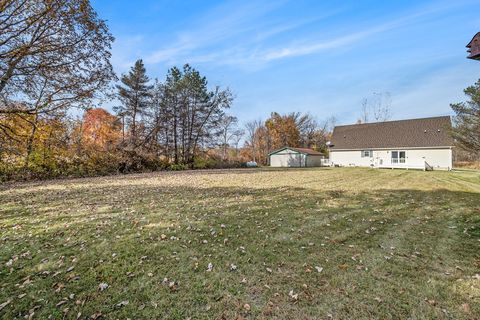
column 367, row 153
column 398, row 157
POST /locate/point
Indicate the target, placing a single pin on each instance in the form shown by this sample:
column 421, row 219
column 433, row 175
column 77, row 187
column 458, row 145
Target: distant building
column 295, row 157
column 474, row 47
column 423, row 144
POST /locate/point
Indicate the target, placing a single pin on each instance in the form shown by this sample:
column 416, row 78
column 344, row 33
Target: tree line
column 55, row 59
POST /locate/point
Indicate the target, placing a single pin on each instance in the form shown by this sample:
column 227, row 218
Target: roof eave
column 474, row 56
column 391, row 148
column 297, row 151
column 281, row 149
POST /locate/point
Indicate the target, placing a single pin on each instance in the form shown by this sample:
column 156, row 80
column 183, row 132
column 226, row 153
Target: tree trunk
column 225, row 134
column 31, row 139
column 175, row 145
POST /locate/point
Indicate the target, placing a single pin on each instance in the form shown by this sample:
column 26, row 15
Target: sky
column 317, row 57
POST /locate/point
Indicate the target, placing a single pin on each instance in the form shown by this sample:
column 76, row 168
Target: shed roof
column 474, row 47
column 299, row 150
column 414, row 133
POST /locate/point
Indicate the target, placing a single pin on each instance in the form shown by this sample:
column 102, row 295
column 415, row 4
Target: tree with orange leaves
column 101, row 130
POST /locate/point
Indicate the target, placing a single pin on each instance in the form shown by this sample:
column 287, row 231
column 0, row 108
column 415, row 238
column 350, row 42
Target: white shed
column 295, row 157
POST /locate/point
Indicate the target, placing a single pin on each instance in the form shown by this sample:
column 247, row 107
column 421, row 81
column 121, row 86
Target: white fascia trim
column 393, row 148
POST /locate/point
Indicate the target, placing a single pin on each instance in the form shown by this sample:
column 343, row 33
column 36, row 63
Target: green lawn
column 321, row 243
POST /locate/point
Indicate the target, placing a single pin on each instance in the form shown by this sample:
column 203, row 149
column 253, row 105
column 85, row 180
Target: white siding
column 415, row 158
column 350, row 158
column 437, row 158
column 314, row 160
column 287, row 158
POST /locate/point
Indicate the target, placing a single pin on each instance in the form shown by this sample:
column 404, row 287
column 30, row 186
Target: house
column 410, row 144
column 295, row 157
column 474, row 47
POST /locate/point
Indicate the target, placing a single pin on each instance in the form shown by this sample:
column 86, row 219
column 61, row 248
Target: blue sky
column 311, row 56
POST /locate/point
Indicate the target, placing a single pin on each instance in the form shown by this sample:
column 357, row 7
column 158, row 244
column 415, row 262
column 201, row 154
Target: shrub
column 204, row 163
column 177, row 167
column 211, row 163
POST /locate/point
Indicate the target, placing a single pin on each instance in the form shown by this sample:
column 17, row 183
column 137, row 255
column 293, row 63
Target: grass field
column 321, row 243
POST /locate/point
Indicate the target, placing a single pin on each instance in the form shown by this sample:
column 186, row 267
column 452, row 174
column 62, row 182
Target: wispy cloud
column 312, row 46
column 238, row 22
column 240, row 36
column 221, row 23
column 301, row 50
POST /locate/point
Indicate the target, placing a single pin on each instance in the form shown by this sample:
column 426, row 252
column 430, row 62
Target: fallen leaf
column 293, row 296
column 431, row 302
column 60, row 303
column 172, row 285
column 102, row 286
column 3, row 305
column 465, row 307
column 121, row 304
column 209, row 267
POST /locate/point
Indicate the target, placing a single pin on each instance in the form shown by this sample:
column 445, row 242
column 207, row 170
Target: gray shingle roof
column 412, row 133
column 300, row 150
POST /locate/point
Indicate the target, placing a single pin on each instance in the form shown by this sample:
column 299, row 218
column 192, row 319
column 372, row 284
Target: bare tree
column 227, row 126
column 252, row 128
column 365, row 111
column 382, row 106
column 237, row 136
column 378, row 107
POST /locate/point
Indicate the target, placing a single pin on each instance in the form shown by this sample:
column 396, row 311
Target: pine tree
column 467, row 120
column 134, row 94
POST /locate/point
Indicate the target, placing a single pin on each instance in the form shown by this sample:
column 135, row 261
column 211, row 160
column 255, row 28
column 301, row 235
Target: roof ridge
column 390, row 121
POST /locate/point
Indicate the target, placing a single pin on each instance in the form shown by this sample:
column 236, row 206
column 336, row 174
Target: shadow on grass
column 384, row 253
